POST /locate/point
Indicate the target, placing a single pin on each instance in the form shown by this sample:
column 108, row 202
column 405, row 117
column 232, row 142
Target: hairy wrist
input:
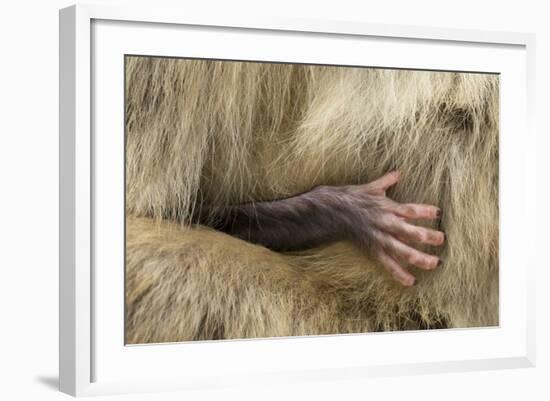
column 337, row 208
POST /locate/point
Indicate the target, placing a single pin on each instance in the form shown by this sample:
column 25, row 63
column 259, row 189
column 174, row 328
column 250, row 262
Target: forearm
column 296, row 223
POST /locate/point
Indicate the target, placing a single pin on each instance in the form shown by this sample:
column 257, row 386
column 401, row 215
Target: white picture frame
column 87, row 336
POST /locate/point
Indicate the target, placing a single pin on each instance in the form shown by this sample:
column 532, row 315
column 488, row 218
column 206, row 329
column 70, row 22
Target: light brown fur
column 227, row 132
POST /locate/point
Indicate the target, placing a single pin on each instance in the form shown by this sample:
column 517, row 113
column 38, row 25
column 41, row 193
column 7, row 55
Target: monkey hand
column 379, row 224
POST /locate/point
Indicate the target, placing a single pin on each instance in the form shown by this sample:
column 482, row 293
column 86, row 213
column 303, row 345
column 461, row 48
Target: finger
column 403, row 239
column 403, row 230
column 384, row 182
column 397, row 271
column 416, row 211
column 397, row 258
column 410, row 254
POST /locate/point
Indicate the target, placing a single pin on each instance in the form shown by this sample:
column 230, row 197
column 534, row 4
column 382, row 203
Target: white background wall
column 29, row 211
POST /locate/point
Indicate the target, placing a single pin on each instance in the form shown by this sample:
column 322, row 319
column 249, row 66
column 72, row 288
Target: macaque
column 359, row 213
column 267, row 200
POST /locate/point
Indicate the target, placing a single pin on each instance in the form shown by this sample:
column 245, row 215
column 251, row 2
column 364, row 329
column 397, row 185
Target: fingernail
column 438, row 214
column 440, row 262
column 444, row 237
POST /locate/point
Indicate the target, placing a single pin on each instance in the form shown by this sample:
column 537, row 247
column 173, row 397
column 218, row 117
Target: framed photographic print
column 278, row 200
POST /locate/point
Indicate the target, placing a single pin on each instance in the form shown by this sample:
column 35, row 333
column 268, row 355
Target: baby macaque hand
column 379, row 224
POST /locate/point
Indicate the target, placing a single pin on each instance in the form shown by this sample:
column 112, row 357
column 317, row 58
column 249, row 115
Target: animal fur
column 221, row 133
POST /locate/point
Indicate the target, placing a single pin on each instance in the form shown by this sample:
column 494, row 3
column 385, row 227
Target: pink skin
column 390, row 241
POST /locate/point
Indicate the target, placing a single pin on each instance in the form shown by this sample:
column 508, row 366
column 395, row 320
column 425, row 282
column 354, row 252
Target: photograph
column 272, row 199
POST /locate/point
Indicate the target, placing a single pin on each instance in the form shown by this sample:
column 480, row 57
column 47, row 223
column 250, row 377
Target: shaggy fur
column 222, row 133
